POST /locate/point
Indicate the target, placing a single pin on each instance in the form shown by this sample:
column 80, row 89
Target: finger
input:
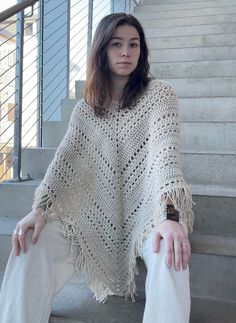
column 37, row 230
column 22, row 240
column 22, row 237
column 156, row 242
column 177, row 254
column 169, row 251
column 15, row 244
column 186, row 251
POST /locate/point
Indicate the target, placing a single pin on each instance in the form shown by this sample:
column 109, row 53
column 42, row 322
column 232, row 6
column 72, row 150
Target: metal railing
column 43, row 51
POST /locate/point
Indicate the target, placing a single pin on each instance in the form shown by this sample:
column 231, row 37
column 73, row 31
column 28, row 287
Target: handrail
column 16, row 8
column 50, row 67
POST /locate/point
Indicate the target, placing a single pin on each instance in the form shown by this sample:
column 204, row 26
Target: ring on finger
column 19, row 232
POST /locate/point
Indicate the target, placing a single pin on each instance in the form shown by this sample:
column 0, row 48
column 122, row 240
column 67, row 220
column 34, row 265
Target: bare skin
column 176, row 243
column 33, row 220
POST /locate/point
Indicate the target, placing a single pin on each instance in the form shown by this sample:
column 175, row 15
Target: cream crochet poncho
column 109, row 181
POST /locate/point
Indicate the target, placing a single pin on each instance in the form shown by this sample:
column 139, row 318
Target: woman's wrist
column 39, row 210
column 171, row 213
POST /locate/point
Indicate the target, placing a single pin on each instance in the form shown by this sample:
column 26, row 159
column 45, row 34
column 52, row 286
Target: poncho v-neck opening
column 109, row 181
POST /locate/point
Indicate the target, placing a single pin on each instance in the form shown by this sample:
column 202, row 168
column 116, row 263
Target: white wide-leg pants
column 32, row 280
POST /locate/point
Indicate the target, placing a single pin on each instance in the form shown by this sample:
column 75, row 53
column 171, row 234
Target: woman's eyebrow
column 120, row 38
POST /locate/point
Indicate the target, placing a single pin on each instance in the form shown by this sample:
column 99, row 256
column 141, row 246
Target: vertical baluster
column 18, row 97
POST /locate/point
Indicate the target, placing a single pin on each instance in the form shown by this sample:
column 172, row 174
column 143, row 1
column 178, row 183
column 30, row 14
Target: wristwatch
column 172, row 213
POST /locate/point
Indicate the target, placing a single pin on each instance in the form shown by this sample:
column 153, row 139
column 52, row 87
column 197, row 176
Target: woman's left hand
column 176, row 243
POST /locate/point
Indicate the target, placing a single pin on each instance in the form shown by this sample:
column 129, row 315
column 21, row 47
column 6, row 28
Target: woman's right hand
column 34, row 220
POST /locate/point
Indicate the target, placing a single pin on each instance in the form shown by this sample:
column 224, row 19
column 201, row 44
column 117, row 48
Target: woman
column 114, row 191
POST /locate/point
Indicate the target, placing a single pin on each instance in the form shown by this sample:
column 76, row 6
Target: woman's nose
column 125, row 51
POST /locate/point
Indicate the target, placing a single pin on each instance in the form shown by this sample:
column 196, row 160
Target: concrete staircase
column 193, row 46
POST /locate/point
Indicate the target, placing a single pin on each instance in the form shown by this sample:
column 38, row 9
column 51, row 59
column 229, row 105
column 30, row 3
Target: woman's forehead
column 126, row 31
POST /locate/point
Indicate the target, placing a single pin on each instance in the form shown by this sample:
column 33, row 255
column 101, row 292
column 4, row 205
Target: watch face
column 172, row 213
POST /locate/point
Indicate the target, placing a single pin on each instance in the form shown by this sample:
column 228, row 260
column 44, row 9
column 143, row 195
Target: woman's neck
column 118, row 85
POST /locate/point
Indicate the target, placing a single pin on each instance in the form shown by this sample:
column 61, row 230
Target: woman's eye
column 133, row 45
column 116, row 44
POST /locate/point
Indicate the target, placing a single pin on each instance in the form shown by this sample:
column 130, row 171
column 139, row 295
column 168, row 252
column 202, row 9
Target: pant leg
column 167, row 290
column 32, row 279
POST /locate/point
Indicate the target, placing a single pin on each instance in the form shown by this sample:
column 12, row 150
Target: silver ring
column 184, row 244
column 19, row 233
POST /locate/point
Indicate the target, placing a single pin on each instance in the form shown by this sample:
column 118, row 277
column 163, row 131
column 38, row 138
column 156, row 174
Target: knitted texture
column 109, row 182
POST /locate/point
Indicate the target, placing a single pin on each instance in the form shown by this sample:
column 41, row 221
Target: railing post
column 126, row 6
column 68, row 47
column 112, row 6
column 18, row 100
column 40, row 75
column 90, row 24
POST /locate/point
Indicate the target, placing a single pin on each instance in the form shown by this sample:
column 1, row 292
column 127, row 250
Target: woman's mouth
column 124, row 64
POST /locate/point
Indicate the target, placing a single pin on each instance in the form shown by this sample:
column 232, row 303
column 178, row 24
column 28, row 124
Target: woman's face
column 123, row 51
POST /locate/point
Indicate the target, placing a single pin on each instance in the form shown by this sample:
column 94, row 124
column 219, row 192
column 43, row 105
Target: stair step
column 207, row 109
column 213, row 276
column 7, row 226
column 194, row 69
column 185, row 5
column 67, row 107
column 213, row 214
column 191, row 41
column 53, row 132
column 188, row 21
column 195, row 54
column 212, row 311
column 145, row 12
column 21, row 193
column 78, row 88
column 206, row 169
column 35, row 161
column 208, row 136
column 214, row 190
column 204, row 87
column 190, row 30
column 213, row 245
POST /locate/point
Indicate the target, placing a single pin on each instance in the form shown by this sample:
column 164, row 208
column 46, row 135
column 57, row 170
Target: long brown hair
column 98, row 86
